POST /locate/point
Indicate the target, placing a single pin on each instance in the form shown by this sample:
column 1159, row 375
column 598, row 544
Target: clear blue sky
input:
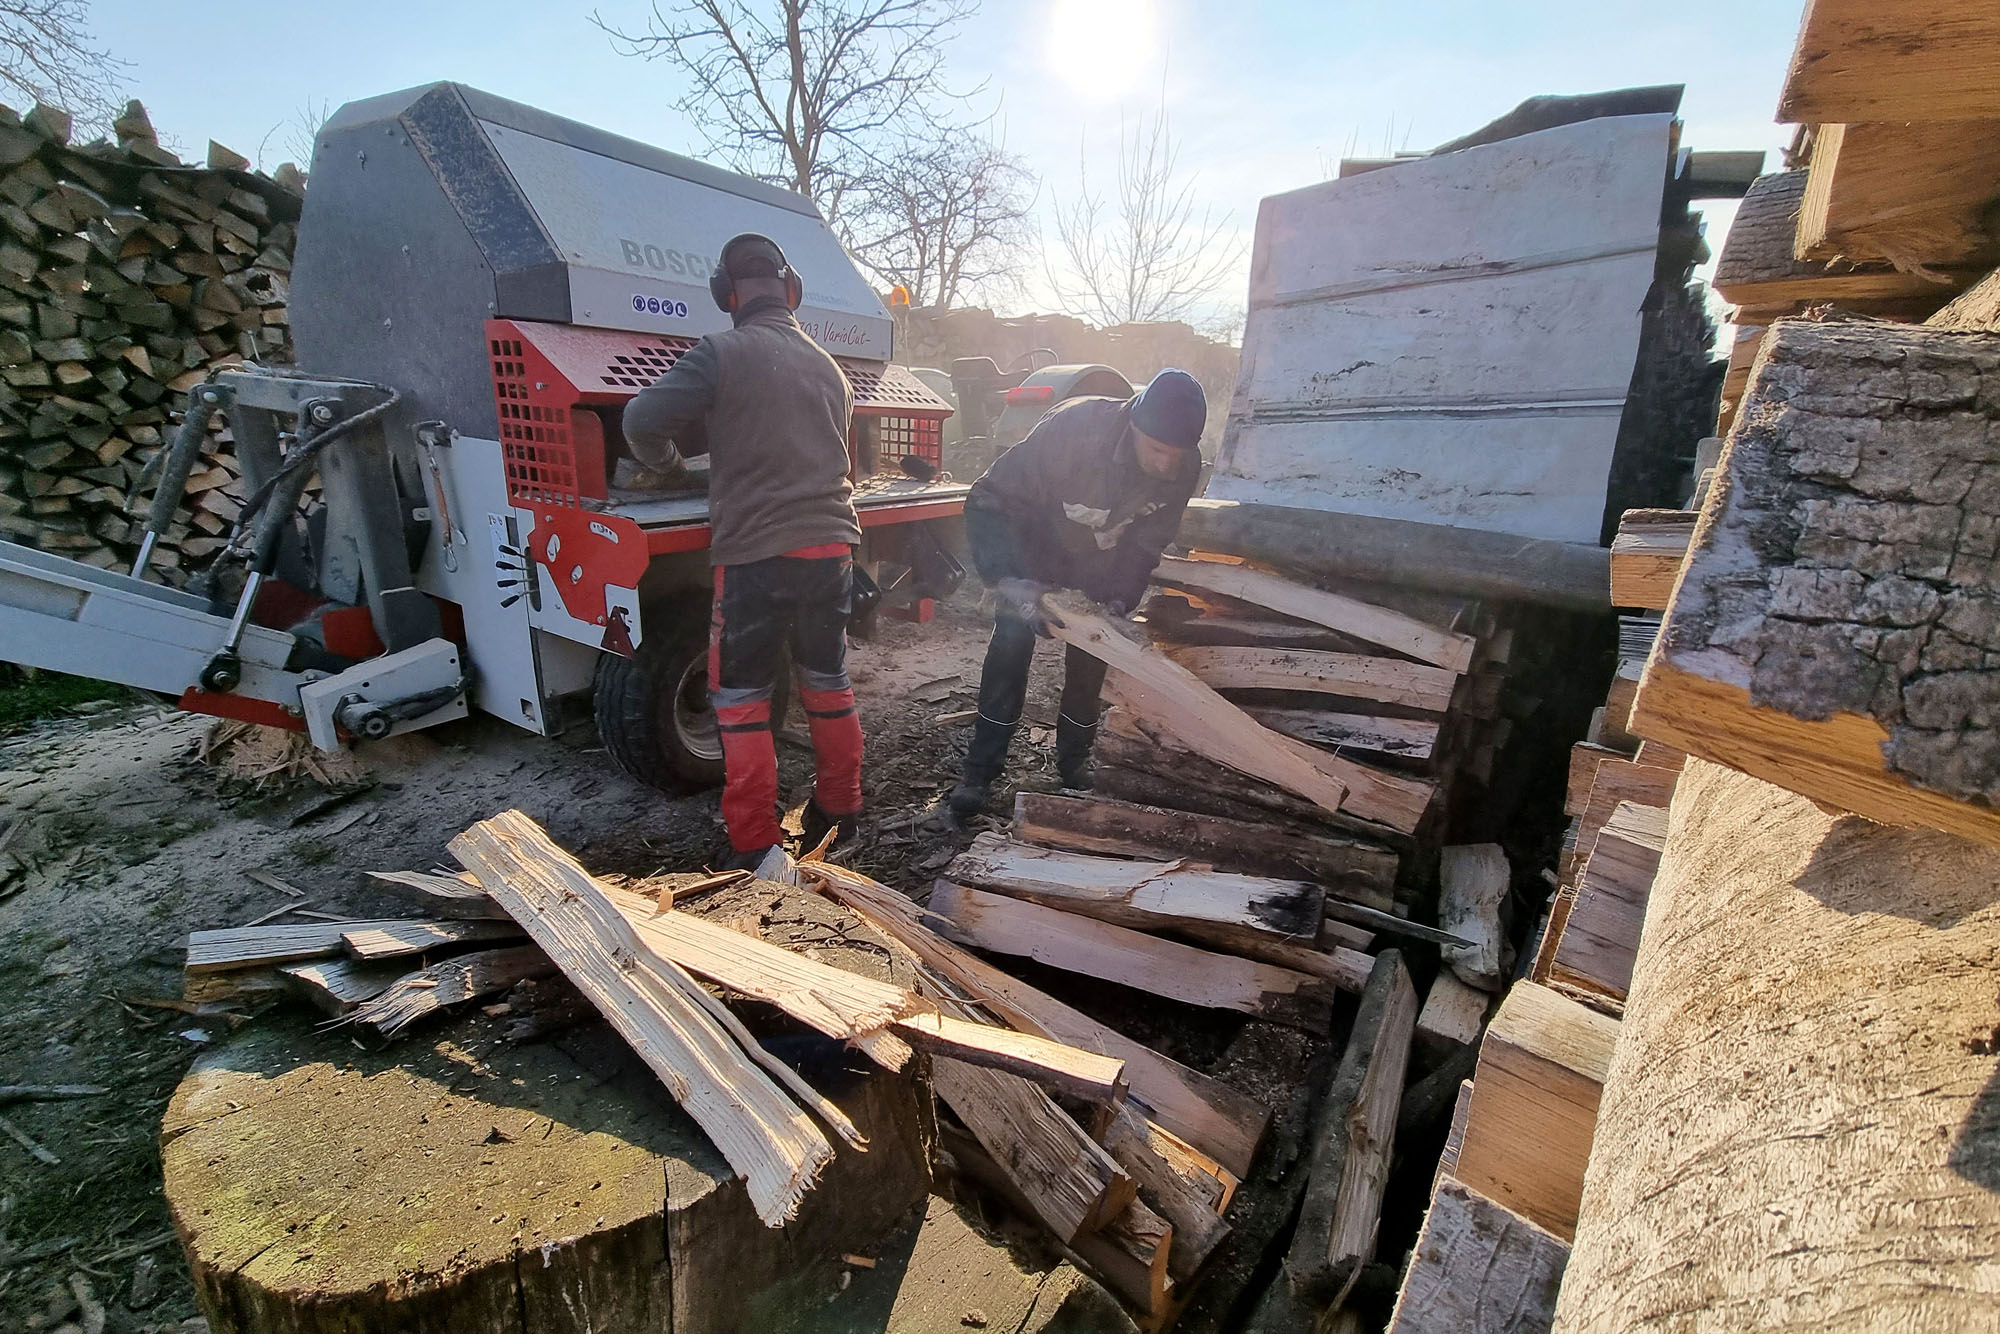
column 1263, row 94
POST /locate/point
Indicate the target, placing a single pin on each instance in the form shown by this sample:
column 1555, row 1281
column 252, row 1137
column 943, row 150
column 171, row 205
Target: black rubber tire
column 634, row 701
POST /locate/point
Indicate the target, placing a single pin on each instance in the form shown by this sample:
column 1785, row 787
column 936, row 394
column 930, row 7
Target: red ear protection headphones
column 723, row 287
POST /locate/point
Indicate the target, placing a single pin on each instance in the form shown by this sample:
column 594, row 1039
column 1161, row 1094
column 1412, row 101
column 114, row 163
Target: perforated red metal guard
column 542, row 373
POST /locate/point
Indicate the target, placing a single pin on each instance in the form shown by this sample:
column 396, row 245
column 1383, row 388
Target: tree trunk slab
column 457, row 1183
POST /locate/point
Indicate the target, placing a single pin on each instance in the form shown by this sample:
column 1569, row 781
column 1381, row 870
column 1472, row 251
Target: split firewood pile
column 126, row 278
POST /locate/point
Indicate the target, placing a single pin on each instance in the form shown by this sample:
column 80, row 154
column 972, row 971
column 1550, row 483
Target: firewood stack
column 126, row 278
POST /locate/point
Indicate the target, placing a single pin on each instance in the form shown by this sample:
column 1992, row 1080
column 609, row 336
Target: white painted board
column 1449, row 340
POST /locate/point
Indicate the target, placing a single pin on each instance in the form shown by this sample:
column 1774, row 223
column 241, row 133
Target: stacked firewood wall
column 126, row 278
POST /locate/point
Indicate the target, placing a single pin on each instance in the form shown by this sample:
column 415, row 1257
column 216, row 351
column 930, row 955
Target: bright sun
column 1101, row 48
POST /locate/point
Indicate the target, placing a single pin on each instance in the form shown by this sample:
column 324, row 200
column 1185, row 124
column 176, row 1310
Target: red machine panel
column 548, row 377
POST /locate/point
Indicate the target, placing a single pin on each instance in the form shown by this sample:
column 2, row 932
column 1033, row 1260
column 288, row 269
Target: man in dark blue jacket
column 1087, row 501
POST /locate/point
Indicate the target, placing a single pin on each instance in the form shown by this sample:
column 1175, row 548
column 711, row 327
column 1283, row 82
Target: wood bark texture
column 1838, row 626
column 1800, row 1127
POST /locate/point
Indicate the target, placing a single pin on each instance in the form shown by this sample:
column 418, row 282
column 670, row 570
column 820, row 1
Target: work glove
column 1022, row 599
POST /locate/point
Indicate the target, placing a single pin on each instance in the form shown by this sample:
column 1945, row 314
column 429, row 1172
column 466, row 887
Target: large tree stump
column 457, row 1183
column 1800, row 1127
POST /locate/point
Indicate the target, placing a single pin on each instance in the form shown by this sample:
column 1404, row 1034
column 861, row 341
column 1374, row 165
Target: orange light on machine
column 1031, row 393
column 899, row 297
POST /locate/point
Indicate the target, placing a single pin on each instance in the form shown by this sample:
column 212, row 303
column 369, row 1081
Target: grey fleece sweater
column 775, row 409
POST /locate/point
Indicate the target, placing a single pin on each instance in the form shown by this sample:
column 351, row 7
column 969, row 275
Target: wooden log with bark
column 1835, row 630
column 1361, row 871
column 1354, row 1142
column 1799, row 1122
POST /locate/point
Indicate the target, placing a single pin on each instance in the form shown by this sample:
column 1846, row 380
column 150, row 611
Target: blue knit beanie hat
column 1172, row 409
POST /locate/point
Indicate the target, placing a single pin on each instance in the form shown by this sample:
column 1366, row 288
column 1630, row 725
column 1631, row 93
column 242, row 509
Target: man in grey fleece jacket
column 771, row 409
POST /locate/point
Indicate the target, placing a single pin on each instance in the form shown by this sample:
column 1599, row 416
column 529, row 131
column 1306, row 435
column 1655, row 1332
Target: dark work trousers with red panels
column 802, row 598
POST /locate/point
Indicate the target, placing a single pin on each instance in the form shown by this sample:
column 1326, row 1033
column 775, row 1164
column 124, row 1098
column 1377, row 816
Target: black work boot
column 1073, row 745
column 815, row 824
column 984, row 759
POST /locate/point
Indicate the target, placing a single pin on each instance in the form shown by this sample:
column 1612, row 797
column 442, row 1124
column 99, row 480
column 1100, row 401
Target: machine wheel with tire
column 652, row 708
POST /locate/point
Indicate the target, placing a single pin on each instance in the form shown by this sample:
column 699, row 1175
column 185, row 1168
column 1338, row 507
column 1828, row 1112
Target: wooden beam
column 1617, row 781
column 1134, row 959
column 1239, row 913
column 1646, row 556
column 1402, row 738
column 1352, row 675
column 1479, row 1268
column 1361, row 871
column 1355, row 1141
column 1583, row 761
column 1363, row 621
column 1600, row 935
column 1915, row 195
column 397, row 940
column 1757, row 267
column 753, row 1121
column 1404, row 553
column 1534, row 1105
column 462, row 977
column 443, row 895
column 1204, row 721
column 1861, row 61
column 1830, row 632
column 1056, row 1066
column 1212, row 1116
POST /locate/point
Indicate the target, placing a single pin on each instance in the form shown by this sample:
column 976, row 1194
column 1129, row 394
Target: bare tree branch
column 945, row 217
column 1150, row 254
column 48, row 54
column 802, row 93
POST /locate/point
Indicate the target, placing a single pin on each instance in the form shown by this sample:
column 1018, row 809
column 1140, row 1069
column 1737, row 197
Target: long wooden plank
column 1856, row 60
column 1212, row 1116
column 1583, row 761
column 443, row 895
column 1054, row 1065
column 1317, row 671
column 1757, row 267
column 396, row 940
column 448, row 982
column 1403, row 738
column 1479, row 1268
column 1134, row 959
column 1355, row 1141
column 760, row 1131
column 280, row 942
column 1276, row 921
column 1392, row 801
column 1534, row 1104
column 1361, row 871
column 1350, row 616
column 1172, row 696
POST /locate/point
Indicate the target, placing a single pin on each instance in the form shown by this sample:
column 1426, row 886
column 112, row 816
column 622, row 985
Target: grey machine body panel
column 436, row 208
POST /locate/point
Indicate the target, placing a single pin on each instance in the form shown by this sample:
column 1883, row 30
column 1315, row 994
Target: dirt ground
column 116, row 841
